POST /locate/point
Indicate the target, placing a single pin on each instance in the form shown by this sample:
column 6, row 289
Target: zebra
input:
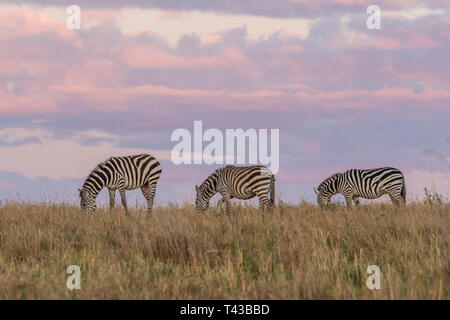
column 369, row 184
column 123, row 173
column 240, row 183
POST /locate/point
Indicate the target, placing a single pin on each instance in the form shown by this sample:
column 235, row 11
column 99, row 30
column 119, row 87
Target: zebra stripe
column 369, row 184
column 240, row 183
column 122, row 173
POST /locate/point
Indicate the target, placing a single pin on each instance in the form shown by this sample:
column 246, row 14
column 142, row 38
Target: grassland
column 298, row 253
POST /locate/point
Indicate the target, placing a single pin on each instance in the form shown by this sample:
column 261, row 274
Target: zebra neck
column 333, row 186
column 94, row 193
column 94, row 184
column 210, row 185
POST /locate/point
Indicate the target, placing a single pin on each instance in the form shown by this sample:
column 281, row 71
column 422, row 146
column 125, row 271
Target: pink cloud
column 11, row 103
column 314, row 147
column 210, row 38
column 290, row 48
column 406, row 41
column 116, row 97
column 421, row 41
column 98, row 74
column 100, row 15
column 150, row 56
column 287, row 63
column 5, row 186
column 171, row 14
column 383, row 98
column 433, row 32
column 385, row 43
column 25, row 21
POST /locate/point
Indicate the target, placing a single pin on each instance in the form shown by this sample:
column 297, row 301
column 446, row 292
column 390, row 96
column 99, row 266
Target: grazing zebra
column 240, row 183
column 369, row 184
column 123, row 173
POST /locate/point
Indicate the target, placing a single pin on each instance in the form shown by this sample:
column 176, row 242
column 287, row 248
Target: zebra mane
column 97, row 167
column 327, row 181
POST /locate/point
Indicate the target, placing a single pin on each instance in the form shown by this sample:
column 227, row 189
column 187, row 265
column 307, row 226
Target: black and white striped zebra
column 122, row 173
column 369, row 184
column 240, row 183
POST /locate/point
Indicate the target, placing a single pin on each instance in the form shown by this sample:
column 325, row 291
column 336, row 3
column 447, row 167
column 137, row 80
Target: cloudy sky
column 342, row 96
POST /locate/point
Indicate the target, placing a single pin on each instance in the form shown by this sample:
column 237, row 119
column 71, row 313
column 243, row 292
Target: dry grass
column 299, row 253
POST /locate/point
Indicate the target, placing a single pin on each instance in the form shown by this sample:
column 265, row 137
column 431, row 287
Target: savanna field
column 299, row 252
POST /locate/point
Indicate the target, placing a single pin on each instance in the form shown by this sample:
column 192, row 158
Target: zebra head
column 87, row 201
column 322, row 200
column 202, row 200
column 326, row 190
column 205, row 192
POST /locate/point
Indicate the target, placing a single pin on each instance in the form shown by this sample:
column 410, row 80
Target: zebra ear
column 316, row 191
column 197, row 189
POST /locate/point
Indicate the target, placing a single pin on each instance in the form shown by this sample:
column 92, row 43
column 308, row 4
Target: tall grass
column 298, row 253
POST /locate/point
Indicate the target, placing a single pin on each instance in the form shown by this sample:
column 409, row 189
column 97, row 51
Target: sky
column 342, row 96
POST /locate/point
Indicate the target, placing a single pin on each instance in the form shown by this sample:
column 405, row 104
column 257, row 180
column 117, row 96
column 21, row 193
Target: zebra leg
column 261, row 204
column 124, row 201
column 265, row 203
column 348, row 200
column 356, row 200
column 270, row 206
column 395, row 198
column 220, row 203
column 149, row 193
column 227, row 199
column 112, row 198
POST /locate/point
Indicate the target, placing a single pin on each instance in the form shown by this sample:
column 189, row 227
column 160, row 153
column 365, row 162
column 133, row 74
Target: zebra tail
column 404, row 191
column 272, row 191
